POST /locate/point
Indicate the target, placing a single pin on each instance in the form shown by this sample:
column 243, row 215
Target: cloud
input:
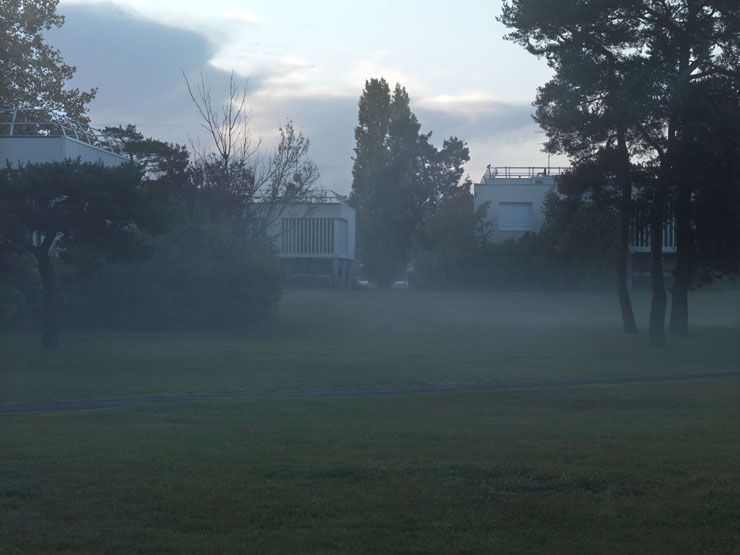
column 244, row 16
column 137, row 65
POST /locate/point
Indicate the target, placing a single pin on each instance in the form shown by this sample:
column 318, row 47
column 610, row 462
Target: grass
column 624, row 469
column 371, row 338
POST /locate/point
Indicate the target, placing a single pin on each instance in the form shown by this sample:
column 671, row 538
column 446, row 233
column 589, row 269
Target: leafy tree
column 32, row 73
column 397, row 175
column 450, row 244
column 57, row 210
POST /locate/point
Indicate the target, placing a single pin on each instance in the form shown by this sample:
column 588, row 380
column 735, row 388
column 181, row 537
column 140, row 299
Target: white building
column 315, row 238
column 39, row 136
column 516, row 195
column 515, row 198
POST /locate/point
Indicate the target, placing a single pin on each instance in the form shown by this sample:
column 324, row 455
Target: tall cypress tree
column 397, row 174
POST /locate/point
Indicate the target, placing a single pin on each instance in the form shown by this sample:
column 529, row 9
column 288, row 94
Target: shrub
column 575, row 249
column 199, row 276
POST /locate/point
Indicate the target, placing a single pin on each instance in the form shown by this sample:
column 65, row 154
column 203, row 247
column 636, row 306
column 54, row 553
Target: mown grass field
column 622, row 469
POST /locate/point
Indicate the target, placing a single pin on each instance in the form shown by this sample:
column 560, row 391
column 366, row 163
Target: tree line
column 645, row 102
column 170, row 239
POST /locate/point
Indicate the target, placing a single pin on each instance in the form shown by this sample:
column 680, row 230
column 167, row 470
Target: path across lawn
column 92, row 404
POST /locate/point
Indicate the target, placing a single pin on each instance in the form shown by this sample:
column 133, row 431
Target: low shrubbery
column 575, row 249
column 197, row 276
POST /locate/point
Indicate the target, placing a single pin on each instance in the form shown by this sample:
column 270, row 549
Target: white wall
column 344, row 225
column 512, row 190
column 39, row 150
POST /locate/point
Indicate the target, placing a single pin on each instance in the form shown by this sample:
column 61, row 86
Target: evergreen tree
column 62, row 209
column 645, row 57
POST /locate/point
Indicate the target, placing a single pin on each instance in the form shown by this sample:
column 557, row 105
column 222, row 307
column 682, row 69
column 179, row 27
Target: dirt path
column 93, row 404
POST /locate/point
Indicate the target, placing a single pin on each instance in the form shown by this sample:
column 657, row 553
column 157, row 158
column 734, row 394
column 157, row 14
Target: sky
column 307, row 62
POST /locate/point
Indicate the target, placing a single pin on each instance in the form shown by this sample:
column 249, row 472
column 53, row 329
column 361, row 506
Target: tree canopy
column 624, row 71
column 397, row 175
column 77, row 211
column 33, row 74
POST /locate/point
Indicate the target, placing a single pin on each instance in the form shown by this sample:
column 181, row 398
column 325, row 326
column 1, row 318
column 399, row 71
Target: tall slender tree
column 397, row 175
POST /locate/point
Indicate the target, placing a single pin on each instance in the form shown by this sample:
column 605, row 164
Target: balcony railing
column 641, row 235
column 47, row 123
column 509, row 172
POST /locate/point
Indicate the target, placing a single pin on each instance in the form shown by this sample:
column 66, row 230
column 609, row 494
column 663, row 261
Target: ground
column 649, row 467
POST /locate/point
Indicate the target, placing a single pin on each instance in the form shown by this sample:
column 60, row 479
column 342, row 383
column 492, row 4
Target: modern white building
column 515, row 198
column 39, row 136
column 315, row 238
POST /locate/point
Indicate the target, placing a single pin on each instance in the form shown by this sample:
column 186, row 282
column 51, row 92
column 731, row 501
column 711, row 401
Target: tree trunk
column 679, row 136
column 625, row 304
column 50, row 327
column 684, row 270
column 625, row 214
column 658, row 301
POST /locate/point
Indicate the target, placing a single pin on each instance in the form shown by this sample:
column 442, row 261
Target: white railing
column 641, row 235
column 48, row 123
column 522, row 171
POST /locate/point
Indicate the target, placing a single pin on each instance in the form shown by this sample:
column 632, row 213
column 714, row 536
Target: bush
column 575, row 249
column 199, row 276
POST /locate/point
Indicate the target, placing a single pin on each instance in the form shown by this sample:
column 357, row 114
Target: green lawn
column 370, row 338
column 623, row 469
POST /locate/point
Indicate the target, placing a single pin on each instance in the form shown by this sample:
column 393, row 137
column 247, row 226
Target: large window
column 307, row 236
column 515, row 216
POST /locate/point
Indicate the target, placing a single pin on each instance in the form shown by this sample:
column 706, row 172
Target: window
column 515, row 216
column 307, row 236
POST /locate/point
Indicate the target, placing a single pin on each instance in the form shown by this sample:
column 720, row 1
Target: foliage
column 199, row 276
column 449, row 244
column 164, row 162
column 711, row 163
column 626, row 73
column 32, row 73
column 234, row 178
column 574, row 249
column 76, row 205
column 397, row 175
column 84, row 214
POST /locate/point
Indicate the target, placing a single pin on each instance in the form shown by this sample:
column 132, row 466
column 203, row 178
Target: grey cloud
column 137, row 65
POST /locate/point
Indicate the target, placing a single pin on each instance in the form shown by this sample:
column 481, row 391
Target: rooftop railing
column 493, row 172
column 16, row 122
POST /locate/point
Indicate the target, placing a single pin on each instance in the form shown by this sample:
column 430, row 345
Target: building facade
column 40, row 136
column 315, row 239
column 515, row 199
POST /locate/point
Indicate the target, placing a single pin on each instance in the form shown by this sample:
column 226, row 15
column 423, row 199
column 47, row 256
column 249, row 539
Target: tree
column 646, row 55
column 710, row 162
column 450, row 244
column 397, row 175
column 166, row 163
column 232, row 177
column 588, row 108
column 687, row 43
column 57, row 209
column 32, row 73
